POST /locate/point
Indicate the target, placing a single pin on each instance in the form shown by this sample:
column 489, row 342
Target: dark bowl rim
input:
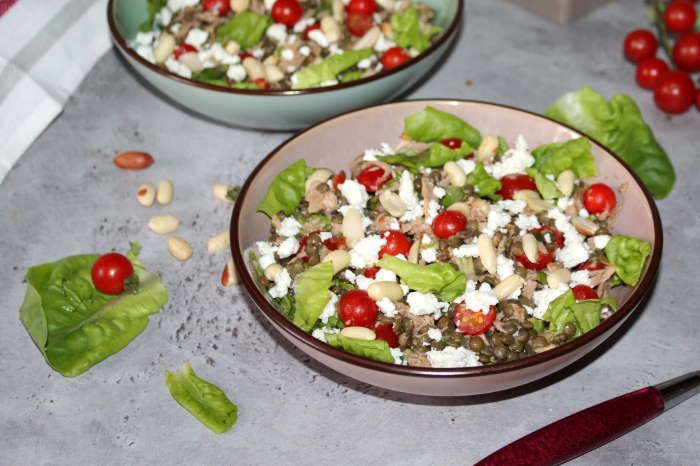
column 269, row 311
column 447, row 36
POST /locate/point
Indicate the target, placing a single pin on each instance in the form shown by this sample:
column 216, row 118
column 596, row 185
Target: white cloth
column 46, row 49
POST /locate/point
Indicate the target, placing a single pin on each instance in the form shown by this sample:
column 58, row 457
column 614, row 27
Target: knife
column 593, row 427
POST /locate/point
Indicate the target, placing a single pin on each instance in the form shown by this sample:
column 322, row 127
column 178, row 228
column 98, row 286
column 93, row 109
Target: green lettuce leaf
column 286, row 190
column 246, row 28
column 574, row 155
column 408, row 32
column 203, row 400
column 215, row 75
column 618, row 125
column 484, row 184
column 432, row 125
column 351, row 76
column 152, row 7
column 452, row 194
column 584, row 314
column 502, row 145
column 547, row 188
column 441, row 278
column 311, row 289
column 330, row 68
column 628, row 255
column 436, row 156
column 372, row 349
column 74, row 325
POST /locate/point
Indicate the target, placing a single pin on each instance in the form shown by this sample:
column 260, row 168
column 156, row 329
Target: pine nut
column 272, row 271
column 273, row 73
column 220, row 192
column 232, row 47
column 487, row 149
column 392, row 203
column 239, row 5
column 338, row 9
column 330, row 27
column 271, row 60
column 179, row 248
column 482, row 205
column 368, row 40
column 339, row 258
column 461, row 207
column 538, row 205
column 525, row 195
column 565, row 182
column 229, row 276
column 192, row 61
column 379, row 290
column 530, row 247
column 319, row 176
column 508, row 286
column 164, row 194
column 164, row 47
column 219, row 242
column 455, row 174
column 254, row 68
column 353, row 229
column 359, row 333
column 146, row 194
column 414, row 252
column 584, row 226
column 487, row 253
column 558, row 277
column 163, row 224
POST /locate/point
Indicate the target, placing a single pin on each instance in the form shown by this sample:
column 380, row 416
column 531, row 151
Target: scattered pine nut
column 163, row 224
column 164, row 194
column 218, row 243
column 179, row 248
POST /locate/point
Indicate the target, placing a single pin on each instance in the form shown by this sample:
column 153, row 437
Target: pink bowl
column 335, row 142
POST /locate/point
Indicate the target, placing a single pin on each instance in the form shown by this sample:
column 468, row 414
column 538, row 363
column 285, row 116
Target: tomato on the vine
column 516, row 182
column 473, row 322
column 396, row 243
column 449, row 223
column 686, row 52
column 357, row 309
column 674, row 92
column 640, row 44
column 680, row 16
column 394, row 57
column 386, row 333
column 649, row 72
column 361, row 7
column 287, row 12
column 373, row 177
column 599, row 198
column 110, row 273
column 584, row 292
column 219, row 7
column 358, row 24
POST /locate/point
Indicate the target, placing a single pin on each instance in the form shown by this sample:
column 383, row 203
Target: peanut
column 359, row 333
column 179, row 248
column 273, row 73
column 192, row 61
column 133, row 160
column 455, row 174
column 487, row 253
column 164, row 194
column 487, row 149
column 353, row 229
column 272, row 271
column 379, row 290
column 254, row 68
column 530, row 247
column 392, row 203
column 163, row 47
column 508, row 286
column 558, row 277
column 146, row 194
column 229, row 276
column 239, row 6
column 220, row 192
column 339, row 259
column 565, row 182
column 218, row 243
column 331, row 29
column 525, row 195
column 368, row 40
column 163, row 224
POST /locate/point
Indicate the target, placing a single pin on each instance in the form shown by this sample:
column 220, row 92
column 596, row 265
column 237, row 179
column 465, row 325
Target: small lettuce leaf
column 436, row 156
column 452, row 194
column 246, row 28
column 574, row 155
column 74, row 325
column 311, row 289
column 618, row 125
column 215, row 75
column 372, row 349
column 502, row 145
column 152, row 7
column 441, row 279
column 484, row 184
column 432, row 125
column 628, row 255
column 546, row 187
column 286, row 190
column 585, row 315
column 408, row 32
column 203, row 400
column 330, row 68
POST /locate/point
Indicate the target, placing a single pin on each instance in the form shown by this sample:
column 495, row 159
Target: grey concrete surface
column 65, row 197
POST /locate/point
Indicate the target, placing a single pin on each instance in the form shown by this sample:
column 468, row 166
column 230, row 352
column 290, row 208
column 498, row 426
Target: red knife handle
column 583, row 431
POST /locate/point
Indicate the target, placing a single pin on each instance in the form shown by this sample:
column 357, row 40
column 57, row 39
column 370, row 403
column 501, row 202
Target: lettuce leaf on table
column 433, row 125
column 407, row 30
column 628, row 255
column 74, row 325
column 311, row 289
column 372, row 349
column 330, row 68
column 585, row 315
column 286, row 190
column 246, row 28
column 436, row 156
column 574, row 155
column 441, row 278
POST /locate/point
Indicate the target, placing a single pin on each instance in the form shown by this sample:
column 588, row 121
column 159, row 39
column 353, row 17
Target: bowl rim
column 450, row 31
column 269, row 311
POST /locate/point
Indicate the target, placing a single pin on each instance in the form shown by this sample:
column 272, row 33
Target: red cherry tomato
column 583, row 293
column 543, row 260
column 512, row 183
column 599, row 198
column 473, row 322
column 373, row 177
column 556, row 240
column 680, row 16
column 183, row 49
column 371, row 272
column 287, row 12
column 244, row 55
column 220, row 7
column 338, row 179
column 110, row 272
column 686, row 52
column 396, row 243
column 640, row 44
column 335, row 243
column 395, row 56
column 358, row 24
column 452, row 143
column 262, row 84
column 449, row 223
column 361, row 7
column 649, row 71
column 386, row 333
column 592, row 265
column 674, row 92
column 697, row 100
column 302, row 245
column 309, row 28
column 357, row 309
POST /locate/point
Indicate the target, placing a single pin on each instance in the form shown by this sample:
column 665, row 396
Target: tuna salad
column 283, row 44
column 451, row 249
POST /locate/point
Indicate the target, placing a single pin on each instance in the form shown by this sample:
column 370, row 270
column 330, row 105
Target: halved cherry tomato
column 373, row 177
column 395, row 56
column 262, row 84
column 302, row 245
column 309, row 28
column 595, row 264
column 183, row 49
column 287, row 12
column 584, row 292
column 473, row 322
column 220, row 7
column 335, row 243
column 396, row 243
column 516, row 182
column 110, row 273
column 599, row 198
column 244, row 55
column 449, row 223
column 358, row 24
column 357, row 309
column 338, row 179
column 558, row 237
column 543, row 260
column 452, row 143
column 362, row 7
column 371, row 272
column 386, row 333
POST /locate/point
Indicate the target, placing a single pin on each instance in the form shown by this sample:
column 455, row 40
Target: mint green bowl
column 280, row 110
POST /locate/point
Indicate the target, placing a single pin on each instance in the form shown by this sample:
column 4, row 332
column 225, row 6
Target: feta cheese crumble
column 366, row 251
column 479, row 300
column 453, row 357
column 289, row 227
column 282, row 283
column 542, row 298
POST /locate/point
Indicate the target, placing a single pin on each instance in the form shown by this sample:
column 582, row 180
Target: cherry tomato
column 358, row 24
column 473, row 322
column 680, row 16
column 543, row 260
column 301, row 251
column 338, row 179
column 357, row 309
column 244, row 55
column 583, row 293
column 599, row 198
column 371, row 272
column 697, row 100
column 649, row 71
column 396, row 243
column 449, row 223
column 220, row 7
column 373, row 177
column 395, row 56
column 516, row 182
column 335, row 243
column 309, row 28
column 361, row 7
column 452, row 143
column 674, row 92
column 593, row 265
column 262, row 84
column 287, row 12
column 555, row 235
column 386, row 333
column 686, row 52
column 640, row 44
column 110, row 273
column 183, row 49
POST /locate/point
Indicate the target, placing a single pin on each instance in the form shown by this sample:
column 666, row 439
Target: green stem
column 661, row 29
